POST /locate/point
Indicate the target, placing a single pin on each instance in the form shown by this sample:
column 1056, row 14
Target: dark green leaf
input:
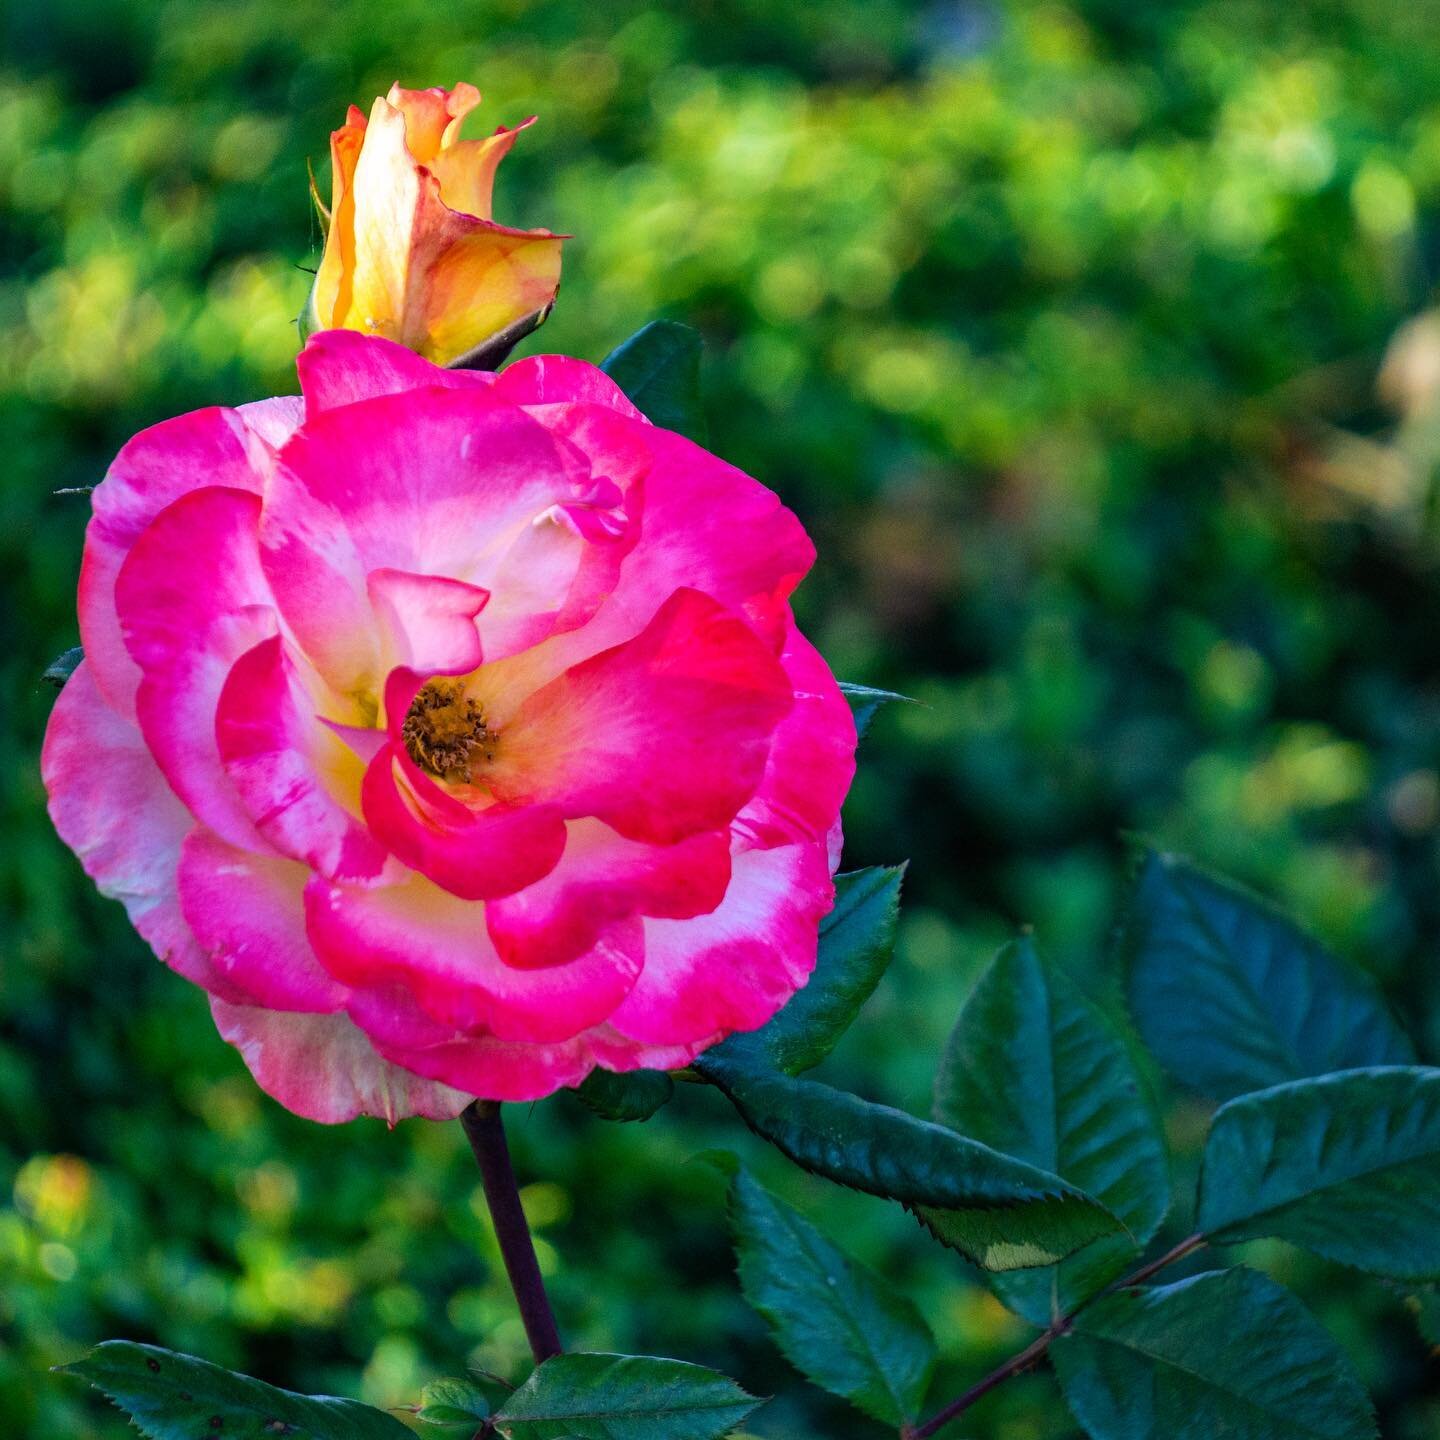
column 461, row 1400
column 1001, row 1212
column 1347, row 1166
column 1036, row 1070
column 62, row 667
column 636, row 1095
column 838, row 1323
column 865, row 701
column 658, row 367
column 1232, row 997
column 856, row 939
column 177, row 1397
column 1225, row 1354
column 623, row 1397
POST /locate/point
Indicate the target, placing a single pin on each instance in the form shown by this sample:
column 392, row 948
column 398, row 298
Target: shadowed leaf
column 1035, row 1069
column 658, row 367
column 1347, row 1165
column 177, row 1397
column 837, row 1322
column 623, row 1397
column 1228, row 1353
column 464, row 1401
column 999, row 1211
column 1232, row 996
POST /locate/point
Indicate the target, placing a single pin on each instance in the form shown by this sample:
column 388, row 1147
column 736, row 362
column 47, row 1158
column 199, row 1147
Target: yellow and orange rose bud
column 411, row 252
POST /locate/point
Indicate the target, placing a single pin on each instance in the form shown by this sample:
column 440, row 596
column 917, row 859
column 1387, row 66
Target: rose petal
column 554, row 575
column 432, row 117
column 475, row 854
column 559, row 379
column 297, row 779
column 558, row 573
column 214, row 447
column 112, row 807
column 248, row 913
column 499, row 1069
column 430, row 621
column 330, row 296
column 466, row 169
column 661, row 737
column 430, row 482
column 322, row 1067
column 511, row 1070
column 418, row 936
column 709, row 527
column 704, row 525
column 602, row 878
column 341, row 367
column 192, row 599
column 274, row 421
column 812, row 759
column 733, row 969
column 482, row 279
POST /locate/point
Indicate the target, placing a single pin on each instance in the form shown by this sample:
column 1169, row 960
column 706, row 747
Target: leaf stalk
column 1034, row 1352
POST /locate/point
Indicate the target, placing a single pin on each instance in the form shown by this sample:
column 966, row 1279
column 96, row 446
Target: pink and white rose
column 452, row 730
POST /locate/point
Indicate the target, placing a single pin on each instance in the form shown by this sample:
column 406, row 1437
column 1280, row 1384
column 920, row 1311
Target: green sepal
column 635, row 1095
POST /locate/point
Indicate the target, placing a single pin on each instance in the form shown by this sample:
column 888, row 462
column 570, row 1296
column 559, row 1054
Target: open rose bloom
column 452, row 730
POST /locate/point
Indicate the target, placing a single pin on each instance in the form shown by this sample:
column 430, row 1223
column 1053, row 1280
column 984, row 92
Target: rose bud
column 411, row 252
column 452, row 730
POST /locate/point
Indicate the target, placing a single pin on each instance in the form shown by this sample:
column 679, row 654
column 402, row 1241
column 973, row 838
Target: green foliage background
column 1064, row 326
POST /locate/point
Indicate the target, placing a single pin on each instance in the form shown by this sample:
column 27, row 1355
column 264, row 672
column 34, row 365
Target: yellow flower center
column 445, row 732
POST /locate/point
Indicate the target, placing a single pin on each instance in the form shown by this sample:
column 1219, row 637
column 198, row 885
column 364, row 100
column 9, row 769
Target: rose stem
column 1037, row 1348
column 486, row 1134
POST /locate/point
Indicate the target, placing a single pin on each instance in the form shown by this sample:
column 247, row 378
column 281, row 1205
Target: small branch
column 486, row 1133
column 1187, row 1246
column 1014, row 1366
column 1035, row 1351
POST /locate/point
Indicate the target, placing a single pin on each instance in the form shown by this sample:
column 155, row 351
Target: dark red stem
column 486, row 1133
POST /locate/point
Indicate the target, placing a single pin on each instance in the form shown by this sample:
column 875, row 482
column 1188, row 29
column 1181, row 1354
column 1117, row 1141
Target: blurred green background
column 1090, row 340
